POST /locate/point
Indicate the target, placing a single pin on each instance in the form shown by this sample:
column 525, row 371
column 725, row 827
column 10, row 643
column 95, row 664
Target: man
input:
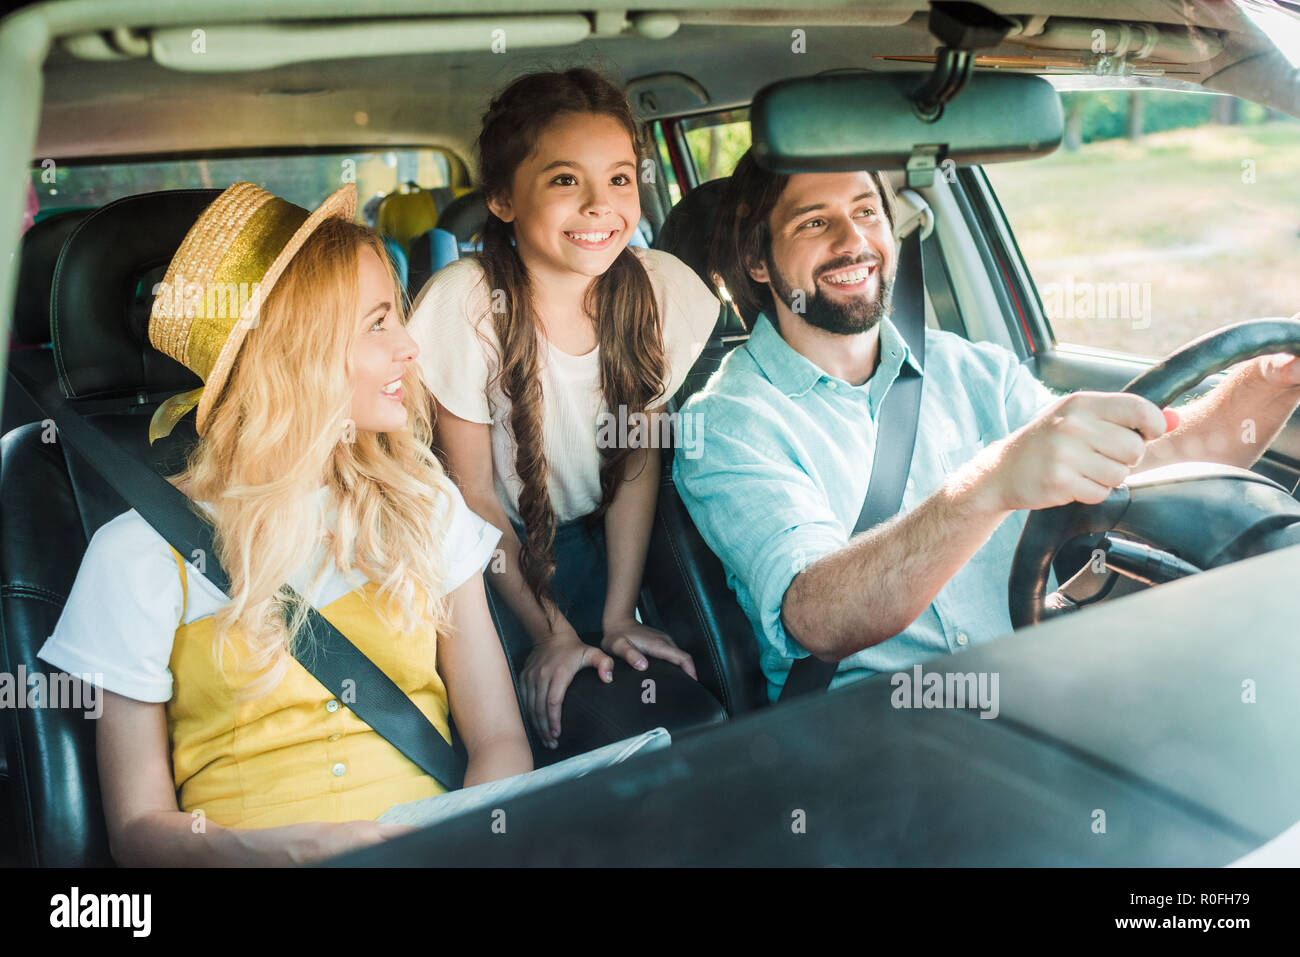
column 788, row 427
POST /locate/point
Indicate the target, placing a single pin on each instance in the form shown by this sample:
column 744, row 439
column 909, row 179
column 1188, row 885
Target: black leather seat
column 52, row 502
column 30, row 350
column 685, row 587
column 465, row 216
column 29, row 347
column 30, row 333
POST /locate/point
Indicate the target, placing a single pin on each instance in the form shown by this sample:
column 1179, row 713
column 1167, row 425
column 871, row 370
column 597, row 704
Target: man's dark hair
column 742, row 235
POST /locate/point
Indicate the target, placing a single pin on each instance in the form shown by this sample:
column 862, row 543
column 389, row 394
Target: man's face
column 833, row 257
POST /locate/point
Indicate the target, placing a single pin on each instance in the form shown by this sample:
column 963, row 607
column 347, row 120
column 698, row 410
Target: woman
column 215, row 745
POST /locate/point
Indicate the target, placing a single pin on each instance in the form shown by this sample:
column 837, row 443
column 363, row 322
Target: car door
column 1166, row 214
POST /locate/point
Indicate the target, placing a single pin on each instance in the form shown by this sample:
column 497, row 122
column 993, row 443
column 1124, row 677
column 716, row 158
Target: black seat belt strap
column 897, row 422
column 330, row 657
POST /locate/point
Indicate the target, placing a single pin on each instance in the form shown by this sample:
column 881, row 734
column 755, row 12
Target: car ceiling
column 134, row 105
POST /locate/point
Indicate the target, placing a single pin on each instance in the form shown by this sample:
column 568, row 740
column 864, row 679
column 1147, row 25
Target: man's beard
column 842, row 318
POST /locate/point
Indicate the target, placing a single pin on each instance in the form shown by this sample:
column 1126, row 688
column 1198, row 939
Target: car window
column 304, row 179
column 1163, row 216
column 716, row 141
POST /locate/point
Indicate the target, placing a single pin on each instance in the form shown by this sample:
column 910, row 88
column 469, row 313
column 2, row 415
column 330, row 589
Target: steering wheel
column 1186, row 517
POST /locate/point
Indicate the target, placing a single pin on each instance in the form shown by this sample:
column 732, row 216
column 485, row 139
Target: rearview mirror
column 853, row 121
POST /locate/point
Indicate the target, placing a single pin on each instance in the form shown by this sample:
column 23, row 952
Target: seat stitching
column 25, row 590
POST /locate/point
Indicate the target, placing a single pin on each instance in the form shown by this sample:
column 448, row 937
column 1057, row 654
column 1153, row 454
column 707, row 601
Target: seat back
column 52, row 502
column 685, row 586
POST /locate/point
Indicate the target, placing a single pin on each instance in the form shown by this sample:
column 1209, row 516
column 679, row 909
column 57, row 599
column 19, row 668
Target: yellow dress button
column 335, row 737
column 331, row 705
column 339, row 769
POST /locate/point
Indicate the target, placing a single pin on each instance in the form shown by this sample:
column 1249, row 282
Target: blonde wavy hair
column 280, row 431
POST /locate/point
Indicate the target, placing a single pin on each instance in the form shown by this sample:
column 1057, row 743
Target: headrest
column 104, row 289
column 465, row 216
column 405, row 215
column 688, row 228
column 37, row 256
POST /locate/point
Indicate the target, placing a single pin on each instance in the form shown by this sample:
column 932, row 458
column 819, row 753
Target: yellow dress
column 297, row 753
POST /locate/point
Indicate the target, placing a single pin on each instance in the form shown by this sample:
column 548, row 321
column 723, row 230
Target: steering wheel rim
column 1047, row 530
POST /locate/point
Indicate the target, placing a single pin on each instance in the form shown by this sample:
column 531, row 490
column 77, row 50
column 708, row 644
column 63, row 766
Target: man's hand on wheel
column 1077, row 450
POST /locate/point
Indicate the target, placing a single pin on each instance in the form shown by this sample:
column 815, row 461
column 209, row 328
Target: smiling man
column 787, row 432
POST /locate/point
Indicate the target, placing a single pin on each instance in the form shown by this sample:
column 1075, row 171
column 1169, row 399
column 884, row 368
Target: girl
column 551, row 340
column 314, row 463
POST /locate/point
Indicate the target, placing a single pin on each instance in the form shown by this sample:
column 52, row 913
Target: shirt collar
column 794, row 374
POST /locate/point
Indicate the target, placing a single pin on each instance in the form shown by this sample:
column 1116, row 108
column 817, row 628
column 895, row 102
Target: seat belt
column 897, row 422
column 330, row 657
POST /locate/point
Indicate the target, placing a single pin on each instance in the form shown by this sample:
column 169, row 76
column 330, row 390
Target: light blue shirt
column 781, row 467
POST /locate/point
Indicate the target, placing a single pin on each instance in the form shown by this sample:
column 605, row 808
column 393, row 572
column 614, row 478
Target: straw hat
column 216, row 283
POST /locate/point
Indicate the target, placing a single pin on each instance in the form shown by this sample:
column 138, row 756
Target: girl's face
column 574, row 200
column 381, row 349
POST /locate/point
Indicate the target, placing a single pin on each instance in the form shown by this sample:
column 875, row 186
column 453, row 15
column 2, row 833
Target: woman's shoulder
column 120, row 618
column 128, row 536
column 470, row 540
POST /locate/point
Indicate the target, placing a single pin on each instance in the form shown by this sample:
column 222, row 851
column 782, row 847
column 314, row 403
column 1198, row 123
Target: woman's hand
column 548, row 673
column 632, row 641
column 308, row 843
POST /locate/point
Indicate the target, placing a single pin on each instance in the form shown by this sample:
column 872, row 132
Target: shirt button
column 834, row 385
column 335, row 737
column 339, row 769
column 961, row 638
column 911, row 484
column 331, row 705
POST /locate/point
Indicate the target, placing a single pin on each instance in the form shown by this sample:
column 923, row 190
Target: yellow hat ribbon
column 172, row 411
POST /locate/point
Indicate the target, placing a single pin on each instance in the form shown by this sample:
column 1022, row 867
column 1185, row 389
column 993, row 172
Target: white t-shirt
column 452, row 318
column 121, row 617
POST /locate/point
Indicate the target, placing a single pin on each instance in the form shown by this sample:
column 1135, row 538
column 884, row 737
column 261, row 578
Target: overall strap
column 185, row 583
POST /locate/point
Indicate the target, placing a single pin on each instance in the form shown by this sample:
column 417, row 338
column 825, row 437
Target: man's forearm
column 876, row 585
column 1234, row 424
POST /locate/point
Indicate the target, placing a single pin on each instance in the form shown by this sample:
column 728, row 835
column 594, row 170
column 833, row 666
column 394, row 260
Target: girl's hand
column 547, row 675
column 632, row 641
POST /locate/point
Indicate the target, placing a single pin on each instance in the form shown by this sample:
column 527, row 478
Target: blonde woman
column 215, row 745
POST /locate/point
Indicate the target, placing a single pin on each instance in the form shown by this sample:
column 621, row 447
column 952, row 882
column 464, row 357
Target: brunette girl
column 549, row 341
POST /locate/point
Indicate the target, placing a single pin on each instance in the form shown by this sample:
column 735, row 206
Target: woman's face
column 381, row 350
column 574, row 200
